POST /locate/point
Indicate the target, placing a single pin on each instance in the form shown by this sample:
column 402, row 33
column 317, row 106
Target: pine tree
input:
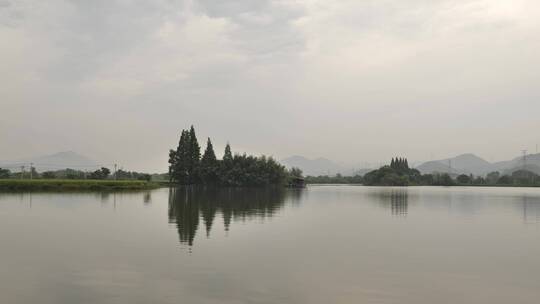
column 227, row 157
column 209, row 165
column 226, row 176
column 194, row 155
column 172, row 164
column 180, row 172
column 393, row 164
column 209, row 156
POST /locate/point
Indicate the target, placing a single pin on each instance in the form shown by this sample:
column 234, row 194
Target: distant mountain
column 435, row 166
column 472, row 164
column 57, row 161
column 465, row 163
column 313, row 167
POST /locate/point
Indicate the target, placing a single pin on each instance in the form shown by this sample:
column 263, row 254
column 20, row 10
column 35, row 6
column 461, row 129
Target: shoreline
column 449, row 186
column 9, row 185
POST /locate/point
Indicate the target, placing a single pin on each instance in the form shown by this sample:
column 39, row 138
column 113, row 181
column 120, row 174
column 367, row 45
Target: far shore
column 9, row 185
column 74, row 185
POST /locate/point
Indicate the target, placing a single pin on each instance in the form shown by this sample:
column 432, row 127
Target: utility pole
column 115, row 166
column 31, row 169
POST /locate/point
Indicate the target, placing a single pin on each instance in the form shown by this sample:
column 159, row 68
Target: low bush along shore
column 69, row 184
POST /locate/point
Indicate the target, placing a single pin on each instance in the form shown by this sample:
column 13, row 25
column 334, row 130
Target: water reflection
column 531, row 209
column 108, row 196
column 189, row 205
column 147, row 197
column 395, row 199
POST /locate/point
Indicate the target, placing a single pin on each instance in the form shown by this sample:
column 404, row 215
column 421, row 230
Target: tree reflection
column 399, row 201
column 531, row 209
column 188, row 205
column 147, row 197
column 395, row 199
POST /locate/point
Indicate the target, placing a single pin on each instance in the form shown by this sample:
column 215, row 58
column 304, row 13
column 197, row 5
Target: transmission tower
column 524, row 159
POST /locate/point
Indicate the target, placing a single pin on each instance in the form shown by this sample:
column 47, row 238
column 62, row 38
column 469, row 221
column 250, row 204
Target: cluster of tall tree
column 399, row 163
column 187, row 167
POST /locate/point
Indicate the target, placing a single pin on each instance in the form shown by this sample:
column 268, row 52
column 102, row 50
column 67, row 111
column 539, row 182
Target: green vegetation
column 73, row 185
column 75, row 180
column 519, row 178
column 338, row 179
column 399, row 174
column 186, row 167
column 100, row 174
column 132, row 175
column 5, row 173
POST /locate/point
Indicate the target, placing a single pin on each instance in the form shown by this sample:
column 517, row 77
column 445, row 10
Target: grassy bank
column 73, row 185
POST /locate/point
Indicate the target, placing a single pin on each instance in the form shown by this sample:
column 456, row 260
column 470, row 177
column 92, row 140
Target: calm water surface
column 323, row 244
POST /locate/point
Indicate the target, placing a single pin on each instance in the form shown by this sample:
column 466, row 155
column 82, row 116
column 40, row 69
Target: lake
column 322, row 244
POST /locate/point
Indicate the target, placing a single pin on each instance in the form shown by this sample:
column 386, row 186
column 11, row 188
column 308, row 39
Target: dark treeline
column 516, row 178
column 337, row 179
column 398, row 173
column 5, row 173
column 187, row 167
column 100, row 174
column 121, row 174
column 188, row 206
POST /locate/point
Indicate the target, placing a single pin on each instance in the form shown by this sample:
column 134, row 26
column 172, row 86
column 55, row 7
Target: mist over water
column 323, row 244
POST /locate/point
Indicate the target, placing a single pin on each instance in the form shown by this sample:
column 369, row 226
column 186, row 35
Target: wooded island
column 187, row 167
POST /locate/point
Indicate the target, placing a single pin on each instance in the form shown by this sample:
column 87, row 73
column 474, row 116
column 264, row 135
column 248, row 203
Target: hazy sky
column 353, row 81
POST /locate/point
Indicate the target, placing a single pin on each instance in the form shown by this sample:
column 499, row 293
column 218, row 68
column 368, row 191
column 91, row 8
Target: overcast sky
column 354, row 81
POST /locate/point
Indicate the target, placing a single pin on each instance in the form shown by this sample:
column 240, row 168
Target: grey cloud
column 349, row 80
column 264, row 27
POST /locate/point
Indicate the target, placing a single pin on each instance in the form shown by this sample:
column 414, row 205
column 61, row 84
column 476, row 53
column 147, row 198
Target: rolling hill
column 57, row 161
